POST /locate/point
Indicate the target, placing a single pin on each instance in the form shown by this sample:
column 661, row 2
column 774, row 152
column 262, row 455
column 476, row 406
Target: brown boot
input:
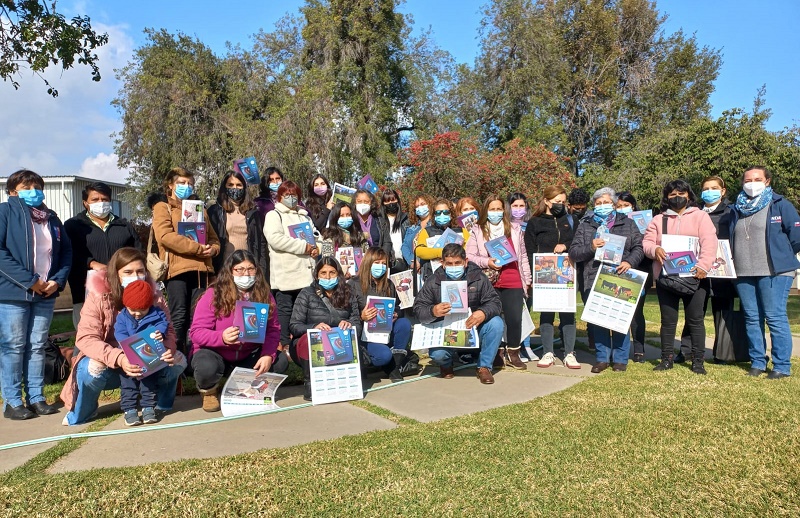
column 446, row 372
column 499, row 360
column 485, row 375
column 513, row 360
column 210, row 399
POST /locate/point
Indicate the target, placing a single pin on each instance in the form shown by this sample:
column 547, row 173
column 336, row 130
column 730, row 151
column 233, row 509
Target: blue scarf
column 747, row 206
column 605, row 223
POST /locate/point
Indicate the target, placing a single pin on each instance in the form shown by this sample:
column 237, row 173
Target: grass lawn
column 633, row 444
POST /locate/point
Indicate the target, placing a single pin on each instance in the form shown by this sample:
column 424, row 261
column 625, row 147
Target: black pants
column 693, row 310
column 182, row 292
column 718, row 305
column 209, row 367
column 131, row 388
column 638, row 327
column 512, row 300
column 285, row 302
column 589, row 327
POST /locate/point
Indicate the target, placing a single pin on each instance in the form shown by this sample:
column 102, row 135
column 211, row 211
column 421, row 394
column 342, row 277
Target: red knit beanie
column 138, row 295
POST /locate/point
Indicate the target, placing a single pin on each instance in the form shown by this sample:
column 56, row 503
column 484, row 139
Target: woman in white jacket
column 292, row 259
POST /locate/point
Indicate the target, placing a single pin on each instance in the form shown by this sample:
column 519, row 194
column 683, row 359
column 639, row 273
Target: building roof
column 62, row 178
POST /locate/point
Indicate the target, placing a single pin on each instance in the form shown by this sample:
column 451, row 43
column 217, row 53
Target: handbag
column 492, row 274
column 683, row 286
column 155, row 266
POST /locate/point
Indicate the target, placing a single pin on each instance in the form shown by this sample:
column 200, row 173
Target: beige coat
column 290, row 268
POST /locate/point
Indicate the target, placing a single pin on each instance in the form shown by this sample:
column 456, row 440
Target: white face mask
column 244, row 282
column 124, row 281
column 362, row 208
column 754, row 189
column 101, row 209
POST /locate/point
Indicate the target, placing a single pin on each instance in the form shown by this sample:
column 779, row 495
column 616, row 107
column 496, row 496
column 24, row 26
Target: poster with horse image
column 553, row 283
column 613, row 298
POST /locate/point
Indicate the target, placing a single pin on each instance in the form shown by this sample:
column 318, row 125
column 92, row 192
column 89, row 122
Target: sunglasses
column 441, row 213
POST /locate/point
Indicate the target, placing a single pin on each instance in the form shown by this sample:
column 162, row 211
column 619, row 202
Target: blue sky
column 70, row 135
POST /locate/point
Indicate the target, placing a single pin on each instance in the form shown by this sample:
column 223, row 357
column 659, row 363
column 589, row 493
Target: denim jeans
column 380, row 354
column 490, row 334
column 764, row 299
column 90, row 385
column 611, row 345
column 24, row 328
column 143, row 391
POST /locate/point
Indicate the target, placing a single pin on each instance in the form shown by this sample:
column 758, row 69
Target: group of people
column 250, row 255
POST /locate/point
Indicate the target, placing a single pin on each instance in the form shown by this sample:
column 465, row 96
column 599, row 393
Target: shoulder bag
column 678, row 285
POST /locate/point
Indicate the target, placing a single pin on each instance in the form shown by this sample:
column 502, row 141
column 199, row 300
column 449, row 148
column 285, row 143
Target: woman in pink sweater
column 683, row 218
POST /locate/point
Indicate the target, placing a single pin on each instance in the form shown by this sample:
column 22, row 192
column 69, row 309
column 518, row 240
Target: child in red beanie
column 139, row 313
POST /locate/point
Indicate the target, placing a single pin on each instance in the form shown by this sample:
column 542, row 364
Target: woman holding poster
column 612, row 346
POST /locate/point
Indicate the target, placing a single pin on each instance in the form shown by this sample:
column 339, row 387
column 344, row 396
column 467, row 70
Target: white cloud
column 103, row 167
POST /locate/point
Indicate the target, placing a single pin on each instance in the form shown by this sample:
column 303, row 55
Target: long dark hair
column 628, row 198
column 225, row 291
column 263, row 184
column 225, row 201
column 514, row 196
column 390, row 196
column 336, row 233
column 680, row 186
column 315, row 204
column 340, row 298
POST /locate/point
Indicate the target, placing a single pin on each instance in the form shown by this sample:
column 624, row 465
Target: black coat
column 481, row 293
column 91, row 243
column 544, row 232
column 581, row 249
column 396, row 264
column 720, row 217
column 361, row 297
column 256, row 242
column 310, row 310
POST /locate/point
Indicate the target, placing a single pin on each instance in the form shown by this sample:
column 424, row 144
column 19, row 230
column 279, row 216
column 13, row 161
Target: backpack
column 56, row 366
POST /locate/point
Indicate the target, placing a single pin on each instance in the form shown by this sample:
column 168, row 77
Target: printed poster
column 434, row 335
column 501, row 250
column 612, row 251
column 343, row 193
column 244, row 393
column 335, row 369
column 404, row 284
column 722, row 267
column 553, row 283
column 613, row 298
column 192, row 210
column 455, row 294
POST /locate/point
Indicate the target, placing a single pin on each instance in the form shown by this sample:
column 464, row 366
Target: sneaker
column 697, row 367
column 664, row 365
column 546, row 361
column 132, row 417
column 485, row 375
column 571, row 362
column 149, row 415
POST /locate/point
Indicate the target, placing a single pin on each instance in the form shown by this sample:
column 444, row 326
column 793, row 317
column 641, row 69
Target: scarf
column 605, row 223
column 747, row 206
column 38, row 215
column 366, row 226
column 496, row 231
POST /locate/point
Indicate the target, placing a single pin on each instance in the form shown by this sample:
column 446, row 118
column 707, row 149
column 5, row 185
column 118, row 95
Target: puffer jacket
column 481, row 294
column 310, row 310
column 95, row 337
column 361, row 297
column 183, row 252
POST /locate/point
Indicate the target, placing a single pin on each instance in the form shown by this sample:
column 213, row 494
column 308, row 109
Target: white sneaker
column 531, row 355
column 546, row 361
column 570, row 362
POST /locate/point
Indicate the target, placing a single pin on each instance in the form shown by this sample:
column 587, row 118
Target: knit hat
column 138, row 295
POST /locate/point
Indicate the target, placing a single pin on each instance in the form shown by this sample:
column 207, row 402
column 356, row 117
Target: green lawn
column 633, row 444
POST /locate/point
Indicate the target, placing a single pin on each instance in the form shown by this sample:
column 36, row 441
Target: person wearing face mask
column 291, row 259
column 549, row 232
column 238, row 223
column 95, row 233
column 373, row 280
column 426, row 253
column 612, row 347
column 396, row 224
column 320, row 200
column 513, row 280
column 765, row 238
column 190, row 263
column 98, row 361
column 576, row 206
column 216, row 348
column 35, row 258
column 483, row 301
column 681, row 217
column 268, row 187
column 342, row 230
column 373, row 222
column 328, row 302
column 419, row 216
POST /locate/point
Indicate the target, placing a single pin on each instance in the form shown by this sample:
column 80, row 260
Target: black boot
column 306, row 379
column 697, row 366
column 410, row 364
column 398, row 358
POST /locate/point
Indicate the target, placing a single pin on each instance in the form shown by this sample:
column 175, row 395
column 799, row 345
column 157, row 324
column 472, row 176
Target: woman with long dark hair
column 268, row 187
column 370, row 217
column 397, row 224
column 343, row 230
column 419, row 215
column 319, row 202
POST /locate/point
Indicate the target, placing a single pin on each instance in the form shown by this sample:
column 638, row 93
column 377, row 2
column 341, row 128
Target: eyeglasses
column 240, row 270
column 441, row 213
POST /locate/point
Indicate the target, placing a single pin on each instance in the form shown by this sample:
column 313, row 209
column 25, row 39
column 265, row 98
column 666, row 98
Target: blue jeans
column 490, row 334
column 91, row 385
column 764, row 299
column 24, row 328
column 611, row 345
column 380, row 354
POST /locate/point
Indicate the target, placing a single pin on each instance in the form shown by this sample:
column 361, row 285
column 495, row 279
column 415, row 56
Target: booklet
column 642, row 218
column 449, row 236
column 368, row 184
column 343, row 193
column 192, row 210
column 468, row 219
column 251, row 318
column 196, row 231
column 245, row 393
column 613, row 298
column 679, row 263
column 722, row 267
column 382, row 323
column 455, row 294
column 144, row 350
column 612, row 251
column 334, row 378
column 302, row 231
column 349, row 258
column 404, row 284
column 248, row 168
column 501, row 251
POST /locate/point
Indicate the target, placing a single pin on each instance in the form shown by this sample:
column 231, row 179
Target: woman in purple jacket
column 216, row 348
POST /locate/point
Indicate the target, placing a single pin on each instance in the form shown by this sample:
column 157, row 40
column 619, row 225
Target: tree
column 37, row 35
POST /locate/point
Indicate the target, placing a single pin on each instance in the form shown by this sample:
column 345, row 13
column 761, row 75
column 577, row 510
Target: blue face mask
column 442, row 220
column 377, row 270
column 454, row 272
column 183, row 191
column 328, row 284
column 711, row 196
column 274, row 186
column 422, row 211
column 603, row 210
column 494, row 216
column 345, row 222
column 31, row 197
column 624, row 210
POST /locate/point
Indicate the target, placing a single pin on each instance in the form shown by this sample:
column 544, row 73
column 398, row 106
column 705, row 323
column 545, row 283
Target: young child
column 138, row 314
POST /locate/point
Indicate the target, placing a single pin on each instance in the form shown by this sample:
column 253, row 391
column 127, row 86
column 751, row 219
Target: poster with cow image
column 553, row 283
column 613, row 298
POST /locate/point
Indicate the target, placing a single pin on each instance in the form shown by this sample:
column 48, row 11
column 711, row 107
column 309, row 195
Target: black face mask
column 391, row 208
column 235, row 194
column 578, row 214
column 677, row 203
column 557, row 210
